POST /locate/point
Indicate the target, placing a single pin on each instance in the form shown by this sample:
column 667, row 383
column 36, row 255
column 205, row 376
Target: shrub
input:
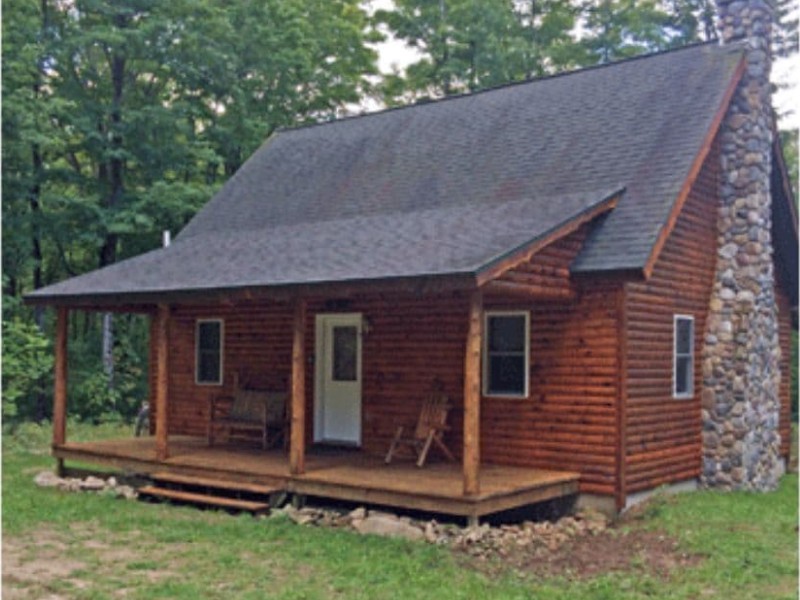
column 27, row 372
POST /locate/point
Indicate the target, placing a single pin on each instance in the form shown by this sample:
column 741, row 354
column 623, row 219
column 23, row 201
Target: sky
column 785, row 73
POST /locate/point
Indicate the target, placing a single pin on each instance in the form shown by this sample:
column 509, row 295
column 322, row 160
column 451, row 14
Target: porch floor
column 347, row 475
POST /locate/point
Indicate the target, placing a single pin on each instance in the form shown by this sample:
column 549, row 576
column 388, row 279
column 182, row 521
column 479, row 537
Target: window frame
column 689, row 393
column 489, row 314
column 221, row 376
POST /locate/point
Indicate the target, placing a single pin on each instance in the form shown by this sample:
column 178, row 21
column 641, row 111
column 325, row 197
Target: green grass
column 749, row 544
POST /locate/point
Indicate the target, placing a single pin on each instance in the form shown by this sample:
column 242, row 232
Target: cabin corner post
column 162, row 381
column 60, row 383
column 472, row 396
column 297, row 441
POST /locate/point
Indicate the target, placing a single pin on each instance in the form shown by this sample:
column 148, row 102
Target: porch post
column 297, row 450
column 472, row 396
column 60, row 387
column 162, row 381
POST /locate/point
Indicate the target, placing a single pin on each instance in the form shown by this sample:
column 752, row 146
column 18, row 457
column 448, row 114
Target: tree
column 547, row 30
column 121, row 118
column 468, row 45
column 618, row 29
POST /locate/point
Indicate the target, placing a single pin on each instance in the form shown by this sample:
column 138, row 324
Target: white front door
column 337, row 406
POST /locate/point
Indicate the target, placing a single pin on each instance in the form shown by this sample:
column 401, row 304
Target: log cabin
column 566, row 257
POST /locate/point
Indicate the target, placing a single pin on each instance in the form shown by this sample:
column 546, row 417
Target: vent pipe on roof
column 166, row 238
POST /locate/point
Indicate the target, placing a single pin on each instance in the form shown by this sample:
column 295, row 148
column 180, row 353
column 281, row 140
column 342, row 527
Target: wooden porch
column 347, row 475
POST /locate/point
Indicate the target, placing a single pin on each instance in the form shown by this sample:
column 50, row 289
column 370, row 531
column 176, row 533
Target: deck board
column 344, row 475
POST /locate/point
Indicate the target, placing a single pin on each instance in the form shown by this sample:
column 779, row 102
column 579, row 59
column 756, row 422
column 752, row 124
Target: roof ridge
column 561, row 74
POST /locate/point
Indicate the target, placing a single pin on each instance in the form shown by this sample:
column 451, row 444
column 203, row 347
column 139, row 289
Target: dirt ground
column 43, row 565
column 612, row 550
column 622, row 547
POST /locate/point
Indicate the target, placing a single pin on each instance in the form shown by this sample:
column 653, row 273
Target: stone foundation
column 741, row 373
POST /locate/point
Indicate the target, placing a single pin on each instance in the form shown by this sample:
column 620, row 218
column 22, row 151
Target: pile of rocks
column 483, row 541
column 91, row 483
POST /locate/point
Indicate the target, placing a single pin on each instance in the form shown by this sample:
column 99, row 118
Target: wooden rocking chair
column 430, row 428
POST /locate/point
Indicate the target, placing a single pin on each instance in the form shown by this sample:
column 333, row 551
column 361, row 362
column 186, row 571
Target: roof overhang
column 496, row 267
column 146, row 302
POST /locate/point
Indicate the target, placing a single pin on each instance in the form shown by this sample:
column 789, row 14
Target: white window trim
column 197, row 324
column 485, row 357
column 690, row 393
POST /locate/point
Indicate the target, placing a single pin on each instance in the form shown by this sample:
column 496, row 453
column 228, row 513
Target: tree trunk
column 115, row 173
column 34, row 194
column 108, row 348
column 36, row 243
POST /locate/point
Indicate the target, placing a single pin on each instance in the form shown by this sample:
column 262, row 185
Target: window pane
column 507, row 375
column 209, row 336
column 507, row 334
column 345, row 341
column 208, row 367
column 209, row 352
column 683, row 375
column 683, row 336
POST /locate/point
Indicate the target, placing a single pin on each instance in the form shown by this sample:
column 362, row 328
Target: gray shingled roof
column 447, row 187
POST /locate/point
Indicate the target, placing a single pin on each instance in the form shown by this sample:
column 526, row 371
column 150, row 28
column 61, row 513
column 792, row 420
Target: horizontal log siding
column 785, row 333
column 547, row 272
column 663, row 434
column 568, row 421
column 258, row 346
column 412, row 342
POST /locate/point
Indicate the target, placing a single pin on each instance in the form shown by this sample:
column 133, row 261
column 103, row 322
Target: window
column 683, row 357
column 208, row 346
column 345, row 353
column 505, row 354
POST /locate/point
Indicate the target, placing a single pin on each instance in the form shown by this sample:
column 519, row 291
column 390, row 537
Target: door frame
column 352, row 319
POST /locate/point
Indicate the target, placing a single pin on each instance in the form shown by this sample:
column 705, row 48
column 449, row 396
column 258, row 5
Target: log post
column 297, row 450
column 472, row 396
column 60, row 387
column 162, row 381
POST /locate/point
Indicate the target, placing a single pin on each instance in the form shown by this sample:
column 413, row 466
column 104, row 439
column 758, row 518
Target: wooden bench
column 248, row 411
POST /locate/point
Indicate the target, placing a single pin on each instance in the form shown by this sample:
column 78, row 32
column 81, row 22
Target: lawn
column 71, row 545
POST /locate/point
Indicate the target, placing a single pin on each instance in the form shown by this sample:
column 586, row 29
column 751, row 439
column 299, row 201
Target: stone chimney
column 741, row 373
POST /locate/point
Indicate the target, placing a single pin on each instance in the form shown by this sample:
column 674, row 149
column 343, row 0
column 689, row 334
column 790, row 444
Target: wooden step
column 217, row 484
column 205, row 499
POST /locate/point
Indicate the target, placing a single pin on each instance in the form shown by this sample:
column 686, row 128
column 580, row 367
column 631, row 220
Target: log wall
column 567, row 422
column 663, row 441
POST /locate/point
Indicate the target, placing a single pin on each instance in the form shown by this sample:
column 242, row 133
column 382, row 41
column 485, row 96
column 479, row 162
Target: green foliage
column 468, row 45
column 27, row 371
column 121, row 119
column 623, row 28
column 91, row 397
column 789, row 141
